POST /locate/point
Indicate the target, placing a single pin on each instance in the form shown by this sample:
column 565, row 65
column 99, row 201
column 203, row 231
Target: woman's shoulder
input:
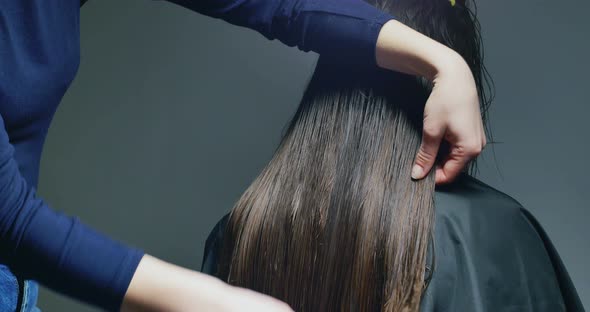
column 485, row 219
column 473, row 198
column 488, row 246
column 471, row 187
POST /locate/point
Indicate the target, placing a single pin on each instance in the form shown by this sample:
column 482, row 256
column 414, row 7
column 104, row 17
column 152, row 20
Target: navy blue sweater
column 39, row 57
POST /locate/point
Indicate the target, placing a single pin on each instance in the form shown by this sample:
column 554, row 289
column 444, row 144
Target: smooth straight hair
column 334, row 222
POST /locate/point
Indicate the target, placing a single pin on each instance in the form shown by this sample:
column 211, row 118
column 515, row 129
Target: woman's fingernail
column 416, row 172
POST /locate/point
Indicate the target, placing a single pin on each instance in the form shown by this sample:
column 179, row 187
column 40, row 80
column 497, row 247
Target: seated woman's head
column 334, row 221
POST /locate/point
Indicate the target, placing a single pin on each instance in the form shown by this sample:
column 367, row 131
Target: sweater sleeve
column 342, row 30
column 39, row 243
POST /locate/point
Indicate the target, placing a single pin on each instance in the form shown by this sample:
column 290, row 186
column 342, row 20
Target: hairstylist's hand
column 160, row 286
column 452, row 111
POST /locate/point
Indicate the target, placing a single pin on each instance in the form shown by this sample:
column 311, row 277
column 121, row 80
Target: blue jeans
column 16, row 294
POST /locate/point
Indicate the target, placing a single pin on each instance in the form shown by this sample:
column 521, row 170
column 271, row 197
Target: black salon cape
column 490, row 255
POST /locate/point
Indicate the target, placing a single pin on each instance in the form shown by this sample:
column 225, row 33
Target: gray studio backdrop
column 173, row 114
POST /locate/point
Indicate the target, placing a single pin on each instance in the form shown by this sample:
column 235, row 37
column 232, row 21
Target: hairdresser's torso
column 489, row 255
column 40, row 54
column 39, row 57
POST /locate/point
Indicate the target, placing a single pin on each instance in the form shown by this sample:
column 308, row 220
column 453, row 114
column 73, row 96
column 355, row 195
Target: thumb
column 431, row 138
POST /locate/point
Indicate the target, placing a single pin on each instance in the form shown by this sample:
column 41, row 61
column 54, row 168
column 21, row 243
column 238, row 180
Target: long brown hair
column 334, row 221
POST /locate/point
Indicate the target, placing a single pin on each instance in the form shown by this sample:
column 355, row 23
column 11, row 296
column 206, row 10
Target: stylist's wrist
column 402, row 49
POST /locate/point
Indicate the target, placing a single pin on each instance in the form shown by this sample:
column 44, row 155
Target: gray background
column 173, row 114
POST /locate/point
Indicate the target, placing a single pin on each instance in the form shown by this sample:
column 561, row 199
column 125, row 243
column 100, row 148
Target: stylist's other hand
column 452, row 111
column 160, row 286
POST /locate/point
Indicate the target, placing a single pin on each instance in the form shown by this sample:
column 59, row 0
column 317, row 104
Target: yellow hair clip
column 453, row 2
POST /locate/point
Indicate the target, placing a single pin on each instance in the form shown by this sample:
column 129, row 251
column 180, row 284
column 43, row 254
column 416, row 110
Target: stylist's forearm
column 161, row 286
column 405, row 50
